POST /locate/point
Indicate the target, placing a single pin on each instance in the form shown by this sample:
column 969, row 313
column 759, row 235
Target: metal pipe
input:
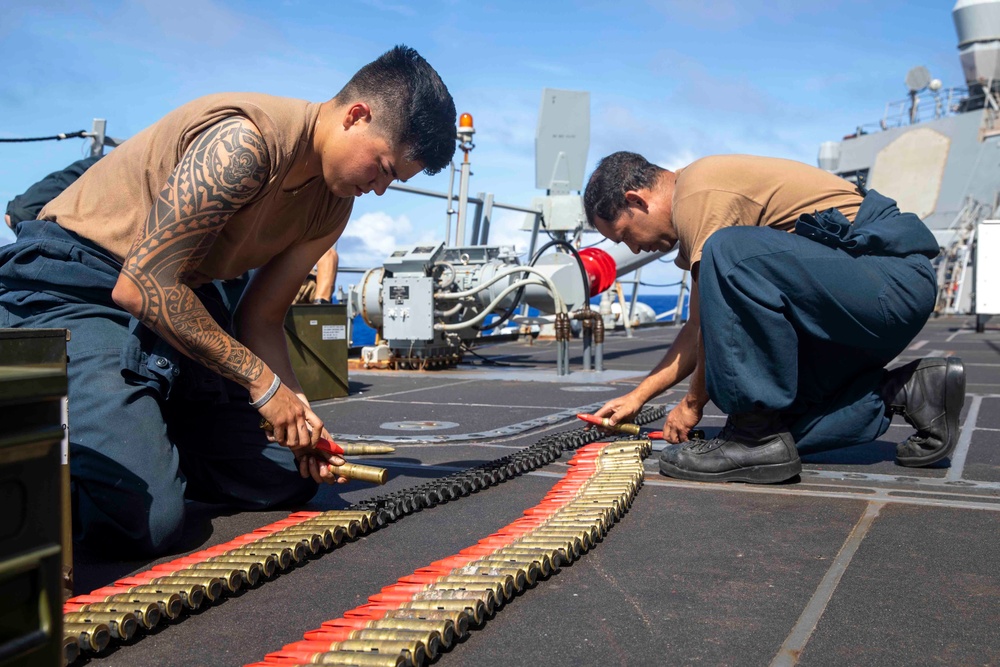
column 484, row 233
column 448, row 209
column 477, row 218
column 463, row 200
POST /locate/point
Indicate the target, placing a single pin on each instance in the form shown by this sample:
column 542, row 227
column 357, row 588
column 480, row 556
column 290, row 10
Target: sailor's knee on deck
column 127, row 518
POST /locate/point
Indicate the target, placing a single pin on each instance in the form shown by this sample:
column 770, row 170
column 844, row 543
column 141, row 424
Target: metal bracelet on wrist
column 271, row 391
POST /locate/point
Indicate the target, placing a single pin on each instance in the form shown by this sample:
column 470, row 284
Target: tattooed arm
column 223, row 169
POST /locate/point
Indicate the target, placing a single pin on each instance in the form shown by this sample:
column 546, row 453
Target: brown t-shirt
column 730, row 190
column 109, row 204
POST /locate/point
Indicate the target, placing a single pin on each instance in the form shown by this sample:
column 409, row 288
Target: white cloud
column 370, row 238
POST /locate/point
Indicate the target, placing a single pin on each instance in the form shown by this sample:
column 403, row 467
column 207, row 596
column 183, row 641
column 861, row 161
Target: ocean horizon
column 362, row 334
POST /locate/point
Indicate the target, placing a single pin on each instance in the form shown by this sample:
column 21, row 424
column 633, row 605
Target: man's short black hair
column 615, row 175
column 416, row 108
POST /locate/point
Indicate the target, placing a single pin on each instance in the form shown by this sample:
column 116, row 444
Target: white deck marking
column 962, row 448
column 797, row 639
column 918, row 345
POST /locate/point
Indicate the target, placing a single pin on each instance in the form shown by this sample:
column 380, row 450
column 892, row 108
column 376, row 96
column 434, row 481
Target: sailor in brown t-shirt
column 137, row 258
column 804, row 287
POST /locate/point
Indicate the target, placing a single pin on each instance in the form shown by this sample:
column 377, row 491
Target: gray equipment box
column 32, row 386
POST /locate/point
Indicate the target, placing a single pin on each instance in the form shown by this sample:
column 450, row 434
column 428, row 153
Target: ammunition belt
column 412, row 621
column 134, row 605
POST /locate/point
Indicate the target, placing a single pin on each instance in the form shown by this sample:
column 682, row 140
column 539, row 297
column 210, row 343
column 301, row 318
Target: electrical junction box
column 560, row 213
column 408, row 308
column 988, row 267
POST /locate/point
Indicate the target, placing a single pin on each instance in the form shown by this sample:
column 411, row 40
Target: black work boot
column 929, row 393
column 752, row 447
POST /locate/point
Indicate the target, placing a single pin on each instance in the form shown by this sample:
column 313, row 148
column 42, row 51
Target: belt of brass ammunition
column 148, row 613
column 92, row 636
column 123, row 624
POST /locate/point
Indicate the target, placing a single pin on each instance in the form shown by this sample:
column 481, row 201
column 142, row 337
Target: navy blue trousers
column 147, row 426
column 792, row 325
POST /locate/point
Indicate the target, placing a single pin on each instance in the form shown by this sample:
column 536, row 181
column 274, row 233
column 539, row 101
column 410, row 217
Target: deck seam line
column 791, row 650
column 879, row 495
column 961, row 452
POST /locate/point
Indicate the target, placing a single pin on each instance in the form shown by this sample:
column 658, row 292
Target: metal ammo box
column 32, row 386
column 317, row 345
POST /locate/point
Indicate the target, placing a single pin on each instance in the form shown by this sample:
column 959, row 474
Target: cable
column 54, row 137
column 486, row 360
column 663, row 285
column 517, row 297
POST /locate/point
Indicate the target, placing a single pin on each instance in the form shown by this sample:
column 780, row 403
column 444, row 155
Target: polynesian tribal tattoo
column 223, row 169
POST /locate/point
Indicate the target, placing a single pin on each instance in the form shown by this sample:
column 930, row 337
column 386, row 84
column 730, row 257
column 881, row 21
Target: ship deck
column 859, row 561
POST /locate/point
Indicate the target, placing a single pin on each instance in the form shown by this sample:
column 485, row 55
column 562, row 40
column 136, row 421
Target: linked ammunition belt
column 167, row 592
column 410, row 622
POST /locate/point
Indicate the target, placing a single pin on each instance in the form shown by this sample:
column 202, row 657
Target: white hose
column 493, row 304
column 501, row 274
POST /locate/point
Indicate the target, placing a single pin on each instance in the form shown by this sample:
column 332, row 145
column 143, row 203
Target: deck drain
column 588, row 387
column 417, row 425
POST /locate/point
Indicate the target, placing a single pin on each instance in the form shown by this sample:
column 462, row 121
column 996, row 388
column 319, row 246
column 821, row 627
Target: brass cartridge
column 529, row 568
column 363, row 659
column 170, row 604
column 444, row 627
column 351, row 527
column 567, row 550
column 459, row 619
column 503, row 585
column 313, row 544
column 366, row 518
column 147, row 613
column 329, row 536
column 530, row 563
column 363, row 450
column 268, row 564
column 91, row 636
column 250, row 571
column 475, row 609
column 431, row 639
column 478, row 568
column 71, row 649
column 548, row 561
column 123, row 624
column 580, row 537
column 361, row 472
column 486, row 596
column 414, row 650
column 192, row 595
column 286, row 554
column 213, row 586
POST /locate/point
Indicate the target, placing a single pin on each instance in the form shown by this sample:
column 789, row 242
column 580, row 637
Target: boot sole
column 954, row 399
column 766, row 474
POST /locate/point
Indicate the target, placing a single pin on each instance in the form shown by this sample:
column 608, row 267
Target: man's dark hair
column 615, row 175
column 416, row 108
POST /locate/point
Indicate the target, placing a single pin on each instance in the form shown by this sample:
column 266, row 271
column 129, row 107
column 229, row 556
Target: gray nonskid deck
column 860, row 561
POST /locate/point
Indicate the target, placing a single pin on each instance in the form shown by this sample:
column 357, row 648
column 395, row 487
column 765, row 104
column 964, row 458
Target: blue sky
column 673, row 79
